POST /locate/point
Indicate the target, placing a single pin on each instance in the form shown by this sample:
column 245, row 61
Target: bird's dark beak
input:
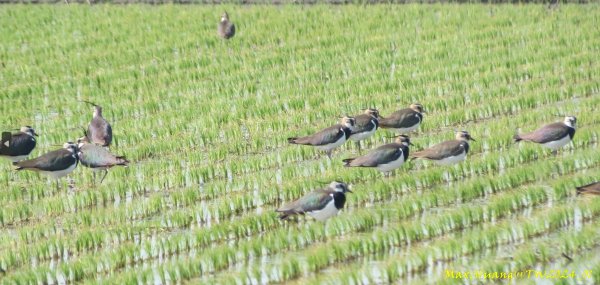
column 348, row 190
column 409, row 143
column 36, row 134
column 471, row 138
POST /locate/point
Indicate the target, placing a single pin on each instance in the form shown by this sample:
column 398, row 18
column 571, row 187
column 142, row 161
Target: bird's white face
column 70, row 147
column 463, row 136
column 339, row 187
column 348, row 122
column 570, row 121
column 28, row 130
column 417, row 107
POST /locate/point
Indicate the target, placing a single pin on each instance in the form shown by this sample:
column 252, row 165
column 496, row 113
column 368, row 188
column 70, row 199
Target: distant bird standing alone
column 448, row 152
column 385, row 158
column 320, row 204
column 226, row 29
column 98, row 158
column 19, row 145
column 366, row 125
column 552, row 136
column 329, row 138
column 99, row 130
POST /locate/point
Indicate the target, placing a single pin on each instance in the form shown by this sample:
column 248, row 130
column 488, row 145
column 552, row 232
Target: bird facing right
column 56, row 164
column 226, row 29
column 552, row 136
column 328, row 138
column 98, row 158
column 448, row 152
column 320, row 204
column 16, row 147
column 385, row 158
column 404, row 120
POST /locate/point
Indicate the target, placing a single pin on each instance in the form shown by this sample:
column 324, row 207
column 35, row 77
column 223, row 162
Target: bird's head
column 464, row 136
column 72, row 147
column 570, row 121
column 403, row 139
column 372, row 112
column 348, row 122
column 28, row 130
column 224, row 17
column 339, row 187
column 417, row 107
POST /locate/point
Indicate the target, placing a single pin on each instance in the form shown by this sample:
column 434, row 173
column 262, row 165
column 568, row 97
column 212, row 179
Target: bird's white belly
column 60, row 173
column 391, row 165
column 452, row 159
column 329, row 211
column 363, row 135
column 328, row 147
column 554, row 145
column 406, row 130
column 15, row 158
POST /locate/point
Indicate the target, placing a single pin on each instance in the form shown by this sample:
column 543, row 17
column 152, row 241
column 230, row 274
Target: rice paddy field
column 204, row 123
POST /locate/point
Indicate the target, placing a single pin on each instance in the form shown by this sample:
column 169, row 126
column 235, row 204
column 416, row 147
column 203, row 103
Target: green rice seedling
column 205, row 123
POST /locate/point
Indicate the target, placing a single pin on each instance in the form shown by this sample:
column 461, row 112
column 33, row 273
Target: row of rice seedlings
column 509, row 231
column 574, row 244
column 498, row 207
column 417, row 232
column 187, row 219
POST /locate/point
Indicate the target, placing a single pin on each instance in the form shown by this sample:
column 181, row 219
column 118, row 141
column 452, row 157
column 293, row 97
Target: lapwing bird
column 320, row 204
column 590, row 189
column 365, row 126
column 329, row 138
column 16, row 147
column 98, row 158
column 385, row 158
column 226, row 29
column 56, row 164
column 99, row 130
column 404, row 120
column 448, row 152
column 552, row 136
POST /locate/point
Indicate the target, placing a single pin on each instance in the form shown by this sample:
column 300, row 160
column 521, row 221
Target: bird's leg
column 358, row 146
column 57, row 185
column 105, row 172
column 554, row 152
column 329, row 153
column 94, row 178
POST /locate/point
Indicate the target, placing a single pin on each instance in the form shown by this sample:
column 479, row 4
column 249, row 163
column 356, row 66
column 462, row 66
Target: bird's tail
column 121, row 160
column 517, row 138
column 292, row 140
column 347, row 161
column 16, row 163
